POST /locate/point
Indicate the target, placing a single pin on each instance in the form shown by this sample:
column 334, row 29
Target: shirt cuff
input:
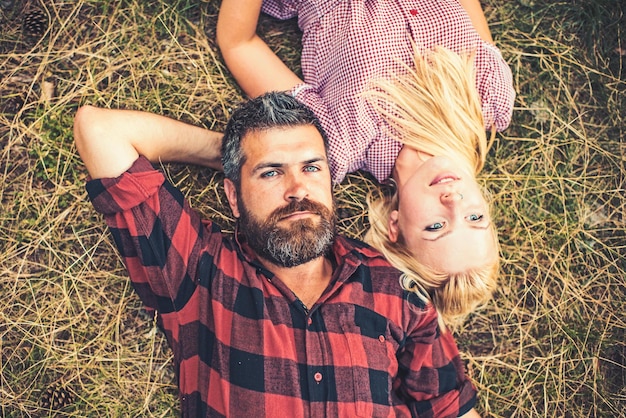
column 493, row 48
column 131, row 188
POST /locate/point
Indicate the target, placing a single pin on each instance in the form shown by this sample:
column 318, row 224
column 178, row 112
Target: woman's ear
column 392, row 226
column 231, row 195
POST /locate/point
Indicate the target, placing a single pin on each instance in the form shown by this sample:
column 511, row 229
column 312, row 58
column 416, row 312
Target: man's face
column 285, row 203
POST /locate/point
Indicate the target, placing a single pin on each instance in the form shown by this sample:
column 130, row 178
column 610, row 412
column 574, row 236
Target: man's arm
column 477, row 16
column 149, row 218
column 109, row 141
column 427, row 352
column 254, row 65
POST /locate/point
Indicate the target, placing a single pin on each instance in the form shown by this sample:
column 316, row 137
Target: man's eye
column 272, row 173
column 435, row 227
column 311, row 168
column 475, row 217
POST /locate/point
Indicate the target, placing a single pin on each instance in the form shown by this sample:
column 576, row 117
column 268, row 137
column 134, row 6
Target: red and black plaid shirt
column 244, row 345
column 346, row 44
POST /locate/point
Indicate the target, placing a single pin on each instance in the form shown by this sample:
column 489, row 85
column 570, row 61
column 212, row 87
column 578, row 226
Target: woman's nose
column 450, row 197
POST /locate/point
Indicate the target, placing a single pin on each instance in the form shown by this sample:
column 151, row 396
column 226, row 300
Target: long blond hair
column 435, row 108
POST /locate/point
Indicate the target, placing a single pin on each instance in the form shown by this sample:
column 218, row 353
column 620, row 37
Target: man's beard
column 297, row 243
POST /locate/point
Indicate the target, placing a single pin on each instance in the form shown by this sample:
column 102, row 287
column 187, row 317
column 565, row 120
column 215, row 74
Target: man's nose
column 449, row 198
column 296, row 188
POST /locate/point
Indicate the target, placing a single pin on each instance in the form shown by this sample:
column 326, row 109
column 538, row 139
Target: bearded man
column 286, row 318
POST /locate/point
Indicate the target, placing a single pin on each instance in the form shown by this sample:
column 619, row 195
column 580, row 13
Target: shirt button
column 381, row 338
column 318, row 377
column 310, row 322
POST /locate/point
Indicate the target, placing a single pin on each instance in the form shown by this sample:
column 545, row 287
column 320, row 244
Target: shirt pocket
column 372, row 351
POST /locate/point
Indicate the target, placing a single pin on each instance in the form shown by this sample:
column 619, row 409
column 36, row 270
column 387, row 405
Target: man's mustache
column 304, row 205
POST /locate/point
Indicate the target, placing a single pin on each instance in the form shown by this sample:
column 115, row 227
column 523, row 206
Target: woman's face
column 443, row 217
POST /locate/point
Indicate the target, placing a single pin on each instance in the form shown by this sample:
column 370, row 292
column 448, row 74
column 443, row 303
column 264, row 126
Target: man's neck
column 307, row 281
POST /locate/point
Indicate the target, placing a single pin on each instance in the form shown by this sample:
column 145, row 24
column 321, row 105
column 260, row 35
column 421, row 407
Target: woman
column 347, row 45
column 435, row 224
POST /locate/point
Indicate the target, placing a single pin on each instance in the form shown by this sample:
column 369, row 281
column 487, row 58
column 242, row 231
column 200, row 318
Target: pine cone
column 56, row 397
column 35, row 24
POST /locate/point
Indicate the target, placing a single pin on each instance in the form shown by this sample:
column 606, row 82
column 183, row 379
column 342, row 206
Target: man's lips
column 444, row 178
column 297, row 215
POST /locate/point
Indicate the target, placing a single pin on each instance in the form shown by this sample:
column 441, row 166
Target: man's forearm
column 109, row 141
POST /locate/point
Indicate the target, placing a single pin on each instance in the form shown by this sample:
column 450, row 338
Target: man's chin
column 292, row 240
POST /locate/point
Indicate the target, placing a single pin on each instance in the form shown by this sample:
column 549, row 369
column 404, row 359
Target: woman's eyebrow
column 485, row 226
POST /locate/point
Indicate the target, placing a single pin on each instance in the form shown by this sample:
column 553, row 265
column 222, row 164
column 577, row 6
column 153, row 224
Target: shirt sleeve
column 280, row 9
column 432, row 377
column 495, row 86
column 158, row 235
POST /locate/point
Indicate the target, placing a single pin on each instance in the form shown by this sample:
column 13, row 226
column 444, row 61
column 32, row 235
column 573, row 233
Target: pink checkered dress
column 348, row 43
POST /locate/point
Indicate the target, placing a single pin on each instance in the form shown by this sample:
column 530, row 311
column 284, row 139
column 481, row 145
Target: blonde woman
column 428, row 135
column 435, row 223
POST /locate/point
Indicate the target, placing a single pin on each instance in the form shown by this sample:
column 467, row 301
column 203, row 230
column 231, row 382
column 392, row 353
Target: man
column 286, row 318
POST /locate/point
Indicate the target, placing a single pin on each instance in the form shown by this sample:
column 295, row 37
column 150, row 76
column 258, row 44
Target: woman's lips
column 444, row 178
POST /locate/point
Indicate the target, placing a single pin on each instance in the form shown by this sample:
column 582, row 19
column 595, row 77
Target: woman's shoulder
column 281, row 9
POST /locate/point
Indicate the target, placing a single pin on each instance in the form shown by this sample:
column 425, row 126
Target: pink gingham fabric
column 345, row 44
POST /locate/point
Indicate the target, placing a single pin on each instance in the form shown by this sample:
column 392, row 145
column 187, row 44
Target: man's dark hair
column 271, row 110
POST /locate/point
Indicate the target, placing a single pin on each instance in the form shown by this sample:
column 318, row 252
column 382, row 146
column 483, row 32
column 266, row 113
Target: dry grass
column 552, row 343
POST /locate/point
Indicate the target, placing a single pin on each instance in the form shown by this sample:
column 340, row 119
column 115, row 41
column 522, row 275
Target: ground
column 74, row 339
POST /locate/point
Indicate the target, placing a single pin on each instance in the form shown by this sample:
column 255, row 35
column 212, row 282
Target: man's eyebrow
column 262, row 166
column 485, row 226
column 314, row 160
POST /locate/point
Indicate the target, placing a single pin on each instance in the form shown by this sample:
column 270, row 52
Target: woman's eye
column 474, row 217
column 435, row 227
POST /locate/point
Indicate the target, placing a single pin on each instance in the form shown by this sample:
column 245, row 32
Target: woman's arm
column 109, row 141
column 254, row 65
column 477, row 16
